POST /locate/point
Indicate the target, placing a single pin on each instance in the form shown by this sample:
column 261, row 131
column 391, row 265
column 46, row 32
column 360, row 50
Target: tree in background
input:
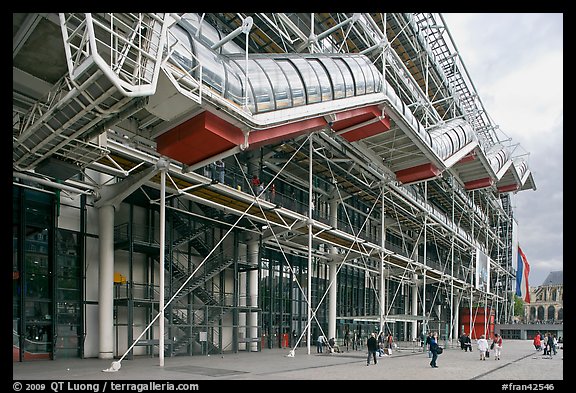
column 518, row 308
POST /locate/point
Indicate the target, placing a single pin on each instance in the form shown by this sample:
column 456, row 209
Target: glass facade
column 278, row 82
column 46, row 288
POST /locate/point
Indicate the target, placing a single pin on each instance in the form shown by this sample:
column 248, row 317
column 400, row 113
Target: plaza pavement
column 519, row 362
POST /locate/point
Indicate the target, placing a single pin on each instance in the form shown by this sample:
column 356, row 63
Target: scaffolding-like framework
column 401, row 219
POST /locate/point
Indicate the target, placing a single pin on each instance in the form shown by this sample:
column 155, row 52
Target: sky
column 515, row 61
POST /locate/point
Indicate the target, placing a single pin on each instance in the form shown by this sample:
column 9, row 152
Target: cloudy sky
column 515, row 60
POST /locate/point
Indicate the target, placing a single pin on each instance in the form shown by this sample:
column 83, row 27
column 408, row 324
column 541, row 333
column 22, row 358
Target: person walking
column 428, row 339
column 389, row 343
column 433, row 349
column 482, row 347
column 537, row 343
column 320, row 344
column 550, row 348
column 372, row 345
column 497, row 343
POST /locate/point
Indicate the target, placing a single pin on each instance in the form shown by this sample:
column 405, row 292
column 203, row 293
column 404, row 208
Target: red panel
column 368, row 130
column 282, row 133
column 468, row 157
column 479, row 183
column 420, row 172
column 508, row 188
column 199, row 138
column 479, row 320
column 355, row 116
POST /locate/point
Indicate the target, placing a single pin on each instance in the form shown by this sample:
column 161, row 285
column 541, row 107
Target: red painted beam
column 419, row 172
column 468, row 157
column 207, row 135
column 284, row 132
column 357, row 116
column 199, row 138
column 508, row 188
column 478, row 183
column 354, row 116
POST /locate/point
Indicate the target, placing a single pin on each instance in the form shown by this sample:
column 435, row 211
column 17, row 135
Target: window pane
column 296, row 85
column 261, row 86
column 348, row 79
column 212, row 68
column 237, row 68
column 325, row 84
column 280, row 86
column 335, row 76
column 359, row 79
column 310, row 79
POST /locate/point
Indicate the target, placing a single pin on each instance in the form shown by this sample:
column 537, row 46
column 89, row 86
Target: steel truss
column 415, row 242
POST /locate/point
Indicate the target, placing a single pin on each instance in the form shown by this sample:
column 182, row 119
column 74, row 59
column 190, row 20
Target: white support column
column 382, row 282
column 106, row 282
column 309, row 268
column 333, row 268
column 332, row 298
column 242, row 316
column 424, row 311
column 456, row 318
column 406, row 311
column 161, row 267
column 415, row 306
column 253, row 249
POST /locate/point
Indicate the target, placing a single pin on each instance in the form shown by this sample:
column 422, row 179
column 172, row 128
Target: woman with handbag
column 497, row 346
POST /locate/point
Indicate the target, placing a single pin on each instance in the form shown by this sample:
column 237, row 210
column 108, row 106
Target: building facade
column 187, row 184
column 544, row 313
column 547, row 301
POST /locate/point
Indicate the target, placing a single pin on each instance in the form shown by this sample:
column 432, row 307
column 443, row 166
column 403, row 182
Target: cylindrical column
column 106, row 282
column 456, row 319
column 333, row 269
column 161, row 266
column 242, row 277
column 382, row 282
column 253, row 249
column 415, row 307
column 332, row 298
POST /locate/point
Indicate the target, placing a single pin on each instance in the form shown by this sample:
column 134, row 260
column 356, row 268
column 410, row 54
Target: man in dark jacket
column 372, row 344
column 434, row 349
column 465, row 342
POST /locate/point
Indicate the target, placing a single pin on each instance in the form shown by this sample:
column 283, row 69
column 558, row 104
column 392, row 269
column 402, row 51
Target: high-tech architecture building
column 186, row 184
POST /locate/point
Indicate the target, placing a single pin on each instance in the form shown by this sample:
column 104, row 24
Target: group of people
column 331, row 343
column 545, row 342
column 483, row 346
column 377, row 344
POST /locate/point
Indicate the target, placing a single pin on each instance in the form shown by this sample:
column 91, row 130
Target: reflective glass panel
column 280, row 86
column 348, row 79
column 212, row 68
column 310, row 80
column 325, row 83
column 296, row 85
column 335, row 76
column 359, row 79
column 261, row 86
